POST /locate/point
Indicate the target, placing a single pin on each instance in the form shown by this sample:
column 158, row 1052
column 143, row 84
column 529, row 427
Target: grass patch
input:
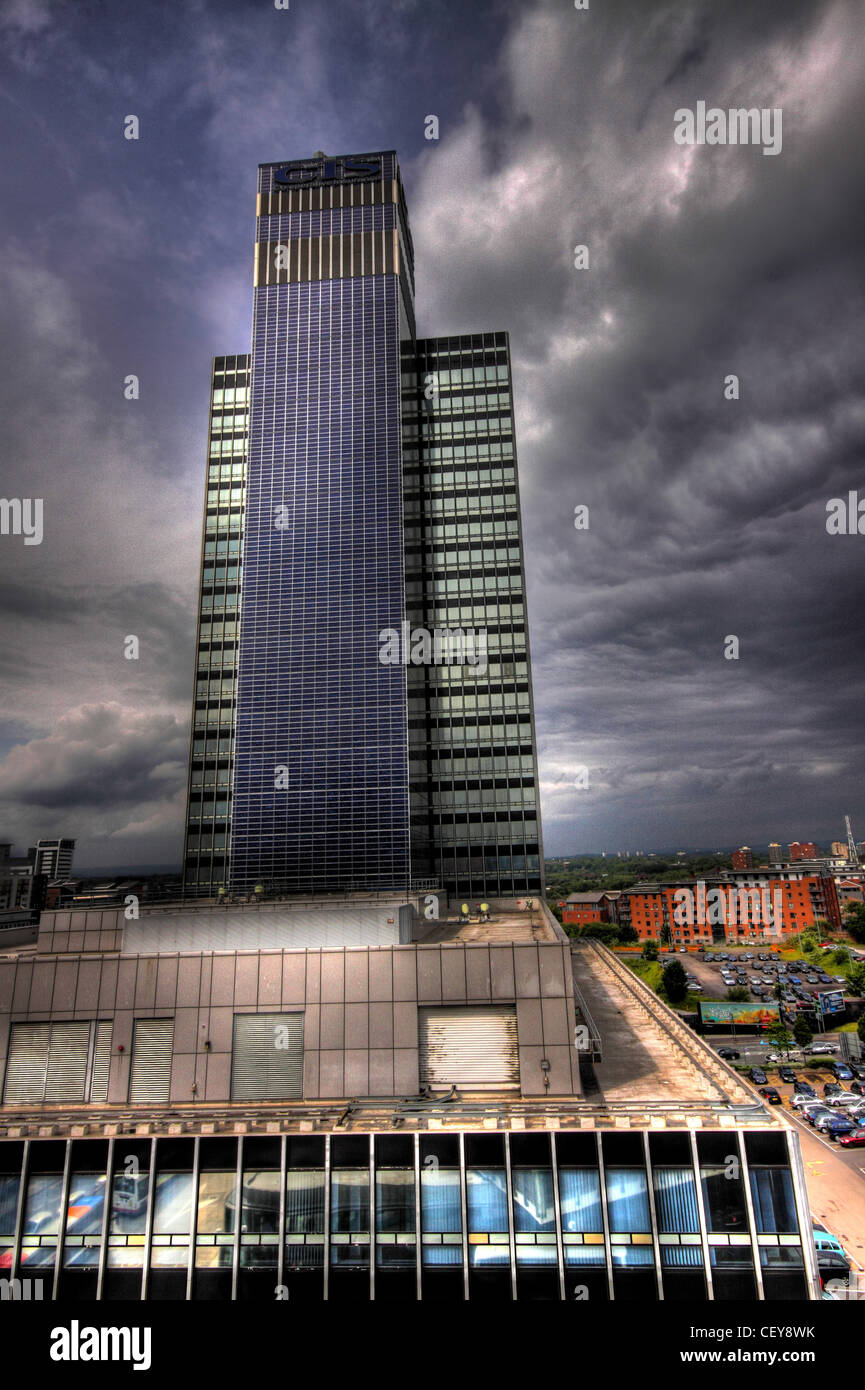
column 649, row 970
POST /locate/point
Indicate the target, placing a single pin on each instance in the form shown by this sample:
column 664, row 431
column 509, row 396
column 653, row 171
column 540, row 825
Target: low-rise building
column 347, row 1101
column 579, row 909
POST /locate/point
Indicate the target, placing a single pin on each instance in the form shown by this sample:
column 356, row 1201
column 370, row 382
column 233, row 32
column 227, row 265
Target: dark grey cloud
column 707, row 516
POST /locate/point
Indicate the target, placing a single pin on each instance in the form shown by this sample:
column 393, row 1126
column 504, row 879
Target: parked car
column 804, row 1088
column 857, row 1087
column 841, row 1071
column 834, row 1125
column 832, row 1088
column 840, row 979
column 858, row 1070
column 758, row 1076
column 854, row 1140
column 800, row 1102
column 729, row 1054
column 813, row 1113
column 786, row 1074
column 833, row 1269
column 847, row 1102
column 824, row 1240
column 770, row 1095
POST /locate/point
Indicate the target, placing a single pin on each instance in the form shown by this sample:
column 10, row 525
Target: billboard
column 729, row 1011
column 830, row 1001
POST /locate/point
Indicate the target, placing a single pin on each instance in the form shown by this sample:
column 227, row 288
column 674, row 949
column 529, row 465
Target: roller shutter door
column 267, row 1057
column 469, row 1047
column 151, row 1061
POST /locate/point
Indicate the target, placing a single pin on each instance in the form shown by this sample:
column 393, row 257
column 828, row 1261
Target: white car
column 823, row 1049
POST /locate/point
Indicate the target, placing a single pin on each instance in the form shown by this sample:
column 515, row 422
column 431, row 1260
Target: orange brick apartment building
column 737, row 907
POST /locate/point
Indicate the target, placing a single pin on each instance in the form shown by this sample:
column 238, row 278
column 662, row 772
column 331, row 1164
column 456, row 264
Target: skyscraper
column 367, row 482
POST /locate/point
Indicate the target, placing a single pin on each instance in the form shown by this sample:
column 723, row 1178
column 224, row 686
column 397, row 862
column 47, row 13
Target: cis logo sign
column 325, row 170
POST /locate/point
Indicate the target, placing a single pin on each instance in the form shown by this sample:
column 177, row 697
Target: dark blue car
column 835, row 1125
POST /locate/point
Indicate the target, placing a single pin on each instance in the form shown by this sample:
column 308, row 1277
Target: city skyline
column 708, row 517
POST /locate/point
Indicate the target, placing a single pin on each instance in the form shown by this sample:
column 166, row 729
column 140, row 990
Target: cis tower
column 360, row 481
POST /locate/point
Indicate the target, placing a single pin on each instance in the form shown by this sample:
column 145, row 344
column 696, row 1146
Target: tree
column 780, row 1036
column 854, row 920
column 856, row 977
column 627, row 935
column 650, row 949
column 739, row 993
column 605, row 932
column 674, row 981
column 802, row 1033
column 860, row 1027
column 809, row 943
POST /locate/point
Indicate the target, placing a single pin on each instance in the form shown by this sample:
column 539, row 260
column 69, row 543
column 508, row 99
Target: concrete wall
column 360, row 1007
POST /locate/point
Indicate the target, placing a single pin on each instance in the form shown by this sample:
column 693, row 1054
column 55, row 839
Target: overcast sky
column 707, row 516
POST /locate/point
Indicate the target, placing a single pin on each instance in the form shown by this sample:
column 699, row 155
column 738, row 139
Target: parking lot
column 759, row 972
column 834, row 1170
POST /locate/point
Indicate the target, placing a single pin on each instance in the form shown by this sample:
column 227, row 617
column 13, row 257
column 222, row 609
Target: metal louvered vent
column 267, row 1057
column 47, row 1061
column 66, row 1074
column 27, row 1064
column 151, row 1061
column 101, row 1061
column 469, row 1047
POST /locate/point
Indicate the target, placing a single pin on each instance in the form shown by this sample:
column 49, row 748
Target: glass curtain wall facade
column 320, row 798
column 375, row 479
column 444, row 1216
column 471, row 725
column 205, row 858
